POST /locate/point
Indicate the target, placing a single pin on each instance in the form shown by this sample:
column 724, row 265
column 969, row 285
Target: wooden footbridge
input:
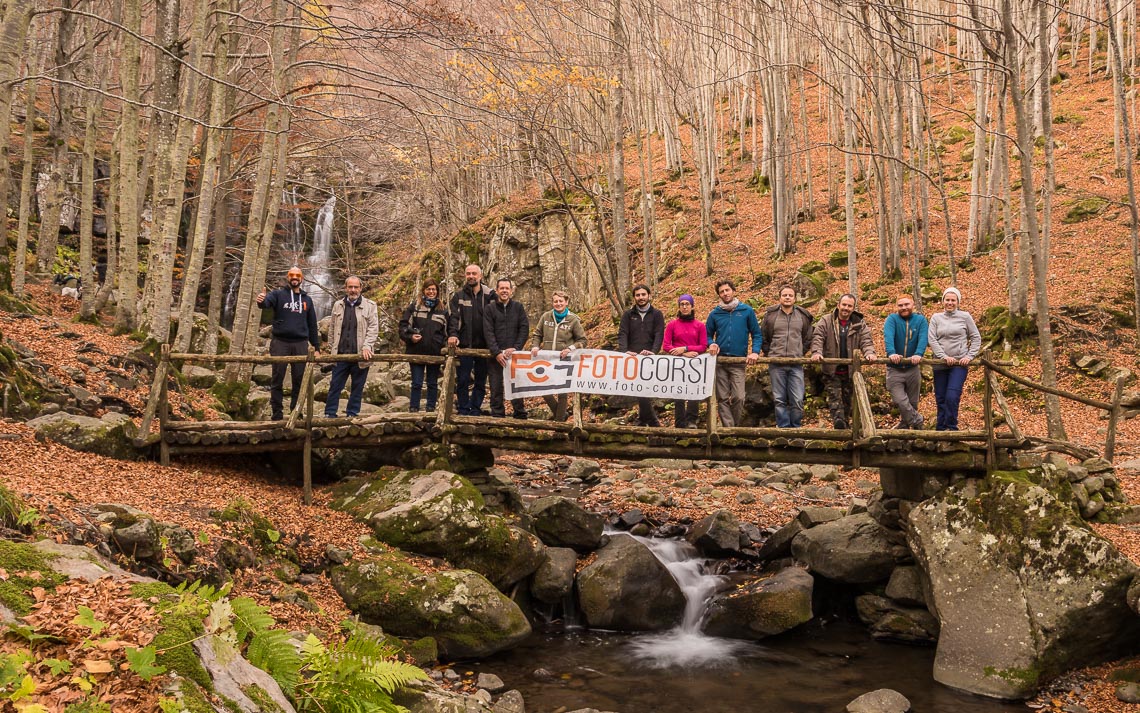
column 996, row 446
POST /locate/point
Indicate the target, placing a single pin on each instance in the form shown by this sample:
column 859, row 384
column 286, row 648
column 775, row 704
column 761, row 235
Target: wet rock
column 763, row 607
column 630, row 518
column 779, row 543
column 490, row 682
column 562, row 522
column 464, row 612
column 434, row 699
column 853, row 549
column 461, row 459
column 627, row 588
column 510, row 702
column 717, row 535
column 883, row 700
column 554, row 578
column 1054, row 593
column 111, row 436
column 890, row 622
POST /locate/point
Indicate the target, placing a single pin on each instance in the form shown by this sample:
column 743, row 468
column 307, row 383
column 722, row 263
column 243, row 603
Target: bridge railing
column 302, row 419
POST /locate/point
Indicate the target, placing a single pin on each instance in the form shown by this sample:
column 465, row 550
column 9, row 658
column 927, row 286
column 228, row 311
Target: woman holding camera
column 424, row 329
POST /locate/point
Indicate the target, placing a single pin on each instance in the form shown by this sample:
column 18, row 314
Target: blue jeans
column 788, row 393
column 469, row 392
column 948, row 384
column 340, row 373
column 418, row 371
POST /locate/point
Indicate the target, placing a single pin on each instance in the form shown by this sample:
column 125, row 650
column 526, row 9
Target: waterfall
column 319, row 283
column 685, row 645
column 230, row 303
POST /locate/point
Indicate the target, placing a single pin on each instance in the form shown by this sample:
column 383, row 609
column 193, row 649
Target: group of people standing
column 479, row 317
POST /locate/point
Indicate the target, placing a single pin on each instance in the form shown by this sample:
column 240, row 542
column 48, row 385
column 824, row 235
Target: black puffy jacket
column 432, row 324
column 465, row 319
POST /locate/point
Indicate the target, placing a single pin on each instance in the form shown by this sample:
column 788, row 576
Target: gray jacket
column 953, row 334
column 367, row 325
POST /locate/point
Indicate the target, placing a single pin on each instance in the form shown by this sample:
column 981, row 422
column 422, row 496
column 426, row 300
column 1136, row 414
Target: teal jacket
column 905, row 337
column 730, row 330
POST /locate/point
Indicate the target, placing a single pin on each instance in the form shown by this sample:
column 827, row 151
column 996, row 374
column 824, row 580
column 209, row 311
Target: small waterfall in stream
column 319, row 280
column 685, row 645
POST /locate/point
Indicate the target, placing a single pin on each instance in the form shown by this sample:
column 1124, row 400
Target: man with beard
column 837, row 336
column 786, row 328
column 905, row 335
column 465, row 330
column 294, row 328
column 729, row 327
column 642, row 331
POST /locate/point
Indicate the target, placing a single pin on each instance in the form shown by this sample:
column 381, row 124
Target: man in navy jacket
column 294, row 329
column 729, row 327
column 642, row 330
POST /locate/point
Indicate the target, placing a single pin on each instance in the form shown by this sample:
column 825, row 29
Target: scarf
column 687, row 317
column 731, row 305
column 430, row 303
column 645, row 311
column 559, row 316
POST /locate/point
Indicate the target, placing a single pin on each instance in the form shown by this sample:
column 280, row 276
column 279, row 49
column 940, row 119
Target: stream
column 818, row 667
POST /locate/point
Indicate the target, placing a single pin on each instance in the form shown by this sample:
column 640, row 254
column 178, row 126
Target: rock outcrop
column 627, row 588
column 854, row 550
column 440, row 514
column 464, row 612
column 1022, row 587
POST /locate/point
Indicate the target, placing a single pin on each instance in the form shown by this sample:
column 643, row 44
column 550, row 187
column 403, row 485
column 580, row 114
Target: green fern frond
column 272, row 652
column 354, row 676
column 250, row 618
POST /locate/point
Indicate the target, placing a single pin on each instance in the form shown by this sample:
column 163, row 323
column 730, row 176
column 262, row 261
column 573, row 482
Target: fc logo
column 536, row 376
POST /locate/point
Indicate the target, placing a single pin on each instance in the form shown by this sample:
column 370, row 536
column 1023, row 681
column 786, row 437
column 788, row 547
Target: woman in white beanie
column 954, row 339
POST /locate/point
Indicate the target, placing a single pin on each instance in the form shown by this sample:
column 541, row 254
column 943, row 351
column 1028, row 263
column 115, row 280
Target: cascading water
column 685, row 645
column 319, row 283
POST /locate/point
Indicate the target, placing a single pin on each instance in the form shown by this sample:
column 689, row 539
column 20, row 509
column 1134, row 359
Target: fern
column 273, row 652
column 357, row 676
column 250, row 618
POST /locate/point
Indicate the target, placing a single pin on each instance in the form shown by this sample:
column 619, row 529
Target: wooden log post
column 999, row 397
column 576, row 434
column 858, row 418
column 156, row 396
column 1113, row 418
column 988, row 416
column 445, row 406
column 163, row 409
column 307, row 452
column 711, row 421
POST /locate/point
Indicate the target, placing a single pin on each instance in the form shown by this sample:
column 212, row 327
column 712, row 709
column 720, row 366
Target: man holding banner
column 505, row 327
column 729, row 327
column 642, row 331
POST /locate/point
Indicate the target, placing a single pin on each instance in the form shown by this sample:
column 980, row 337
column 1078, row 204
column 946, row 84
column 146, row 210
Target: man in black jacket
column 505, row 327
column 641, row 332
column 294, row 328
column 465, row 330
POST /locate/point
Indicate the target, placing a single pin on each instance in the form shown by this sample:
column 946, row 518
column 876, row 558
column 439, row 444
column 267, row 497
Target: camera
column 415, row 331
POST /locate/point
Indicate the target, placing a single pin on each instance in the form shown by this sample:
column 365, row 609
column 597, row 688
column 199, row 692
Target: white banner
column 594, row 371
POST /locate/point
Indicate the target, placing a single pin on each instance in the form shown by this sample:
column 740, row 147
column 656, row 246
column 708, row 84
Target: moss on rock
column 27, row 568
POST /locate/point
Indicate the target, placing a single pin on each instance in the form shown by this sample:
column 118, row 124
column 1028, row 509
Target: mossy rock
column 999, row 326
column 111, row 436
column 936, row 271
column 464, row 612
column 763, row 607
column 1085, row 209
column 957, row 134
column 27, row 568
column 232, row 397
column 837, row 258
column 811, row 267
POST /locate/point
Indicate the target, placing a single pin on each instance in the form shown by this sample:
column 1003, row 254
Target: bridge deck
column 861, row 445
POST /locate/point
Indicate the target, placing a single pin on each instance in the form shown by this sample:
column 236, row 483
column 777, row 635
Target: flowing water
column 817, row 668
column 319, row 281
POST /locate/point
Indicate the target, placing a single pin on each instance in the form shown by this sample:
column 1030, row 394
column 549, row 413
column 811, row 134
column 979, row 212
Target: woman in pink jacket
column 685, row 336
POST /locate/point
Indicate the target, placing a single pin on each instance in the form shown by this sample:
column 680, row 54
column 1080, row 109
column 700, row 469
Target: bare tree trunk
column 17, row 15
column 125, row 315
column 87, row 206
column 221, row 232
column 20, row 264
column 616, row 107
column 58, row 138
column 111, row 276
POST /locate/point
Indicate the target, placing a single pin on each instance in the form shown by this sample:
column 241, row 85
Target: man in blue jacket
column 729, row 326
column 294, row 329
column 904, row 334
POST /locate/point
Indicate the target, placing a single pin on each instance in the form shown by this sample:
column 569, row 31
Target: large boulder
column 717, row 535
column 554, row 578
column 891, row 621
column 627, row 588
column 762, row 607
column 112, row 435
column 440, row 514
column 854, row 549
column 464, row 612
column 1023, row 588
column 562, row 522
